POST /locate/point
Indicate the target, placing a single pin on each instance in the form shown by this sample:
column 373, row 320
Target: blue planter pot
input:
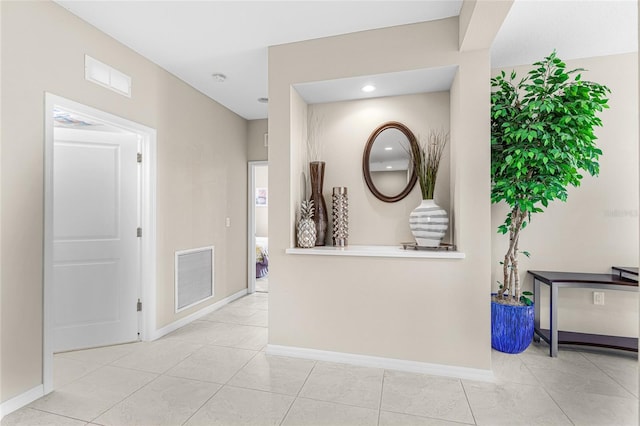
column 511, row 327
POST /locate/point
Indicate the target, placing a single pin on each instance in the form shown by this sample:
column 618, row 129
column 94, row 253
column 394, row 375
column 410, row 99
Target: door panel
column 90, row 283
column 96, row 253
column 86, row 208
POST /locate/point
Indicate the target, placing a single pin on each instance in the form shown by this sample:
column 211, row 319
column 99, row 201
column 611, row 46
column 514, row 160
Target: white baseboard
column 21, row 400
column 196, row 315
column 386, row 363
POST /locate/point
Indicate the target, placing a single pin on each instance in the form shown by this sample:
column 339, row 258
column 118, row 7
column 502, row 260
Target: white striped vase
column 428, row 223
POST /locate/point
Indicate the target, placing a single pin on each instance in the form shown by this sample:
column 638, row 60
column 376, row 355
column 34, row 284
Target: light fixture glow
column 388, row 148
column 368, row 88
column 389, row 167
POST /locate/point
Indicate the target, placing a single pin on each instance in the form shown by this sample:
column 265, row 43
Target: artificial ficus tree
column 542, row 140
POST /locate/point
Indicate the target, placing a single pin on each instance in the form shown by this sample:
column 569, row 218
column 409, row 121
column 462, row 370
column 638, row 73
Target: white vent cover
column 194, row 276
column 106, row 76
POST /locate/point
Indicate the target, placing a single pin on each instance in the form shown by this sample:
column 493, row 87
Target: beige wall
column 256, row 151
column 598, row 225
column 1, row 160
column 346, row 130
column 427, row 310
column 201, row 168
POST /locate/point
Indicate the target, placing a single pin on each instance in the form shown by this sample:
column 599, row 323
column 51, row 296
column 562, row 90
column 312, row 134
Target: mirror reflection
column 389, row 162
column 386, row 162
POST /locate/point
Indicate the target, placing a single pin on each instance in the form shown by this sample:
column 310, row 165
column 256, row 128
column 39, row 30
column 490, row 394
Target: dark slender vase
column 316, row 172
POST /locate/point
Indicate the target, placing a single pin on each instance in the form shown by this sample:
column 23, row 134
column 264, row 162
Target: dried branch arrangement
column 426, row 156
column 314, row 145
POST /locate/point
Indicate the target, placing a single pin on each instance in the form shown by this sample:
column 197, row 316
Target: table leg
column 536, row 304
column 553, row 321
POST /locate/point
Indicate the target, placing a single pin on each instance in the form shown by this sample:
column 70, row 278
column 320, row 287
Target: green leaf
column 525, row 300
column 542, row 135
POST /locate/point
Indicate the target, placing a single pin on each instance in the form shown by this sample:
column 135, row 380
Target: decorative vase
column 340, row 216
column 511, row 327
column 316, row 173
column 306, row 233
column 428, row 223
column 306, row 226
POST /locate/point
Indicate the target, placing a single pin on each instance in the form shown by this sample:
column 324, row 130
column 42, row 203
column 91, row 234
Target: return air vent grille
column 106, row 76
column 194, row 271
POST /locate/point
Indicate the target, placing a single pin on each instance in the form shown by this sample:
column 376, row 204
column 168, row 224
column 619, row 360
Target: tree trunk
column 511, row 276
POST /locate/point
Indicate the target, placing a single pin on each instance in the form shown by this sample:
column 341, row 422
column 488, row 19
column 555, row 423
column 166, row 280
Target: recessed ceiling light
column 263, row 100
column 219, row 78
column 368, row 88
column 388, row 148
column 389, row 167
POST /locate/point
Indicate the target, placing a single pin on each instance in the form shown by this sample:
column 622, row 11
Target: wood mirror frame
column 366, row 169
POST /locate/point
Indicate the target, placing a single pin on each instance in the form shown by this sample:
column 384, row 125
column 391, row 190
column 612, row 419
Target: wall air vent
column 194, row 276
column 106, row 76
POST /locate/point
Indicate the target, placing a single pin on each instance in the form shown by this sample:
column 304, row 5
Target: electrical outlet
column 227, row 222
column 598, row 298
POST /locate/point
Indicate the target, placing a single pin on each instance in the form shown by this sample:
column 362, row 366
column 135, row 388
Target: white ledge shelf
column 376, row 251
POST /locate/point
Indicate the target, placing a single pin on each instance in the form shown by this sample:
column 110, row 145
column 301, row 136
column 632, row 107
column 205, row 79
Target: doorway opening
column 258, row 227
column 99, row 270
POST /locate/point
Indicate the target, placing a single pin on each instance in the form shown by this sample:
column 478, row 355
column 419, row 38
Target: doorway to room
column 258, row 227
column 99, row 202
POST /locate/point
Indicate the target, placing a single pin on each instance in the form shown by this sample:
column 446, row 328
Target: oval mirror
column 386, row 164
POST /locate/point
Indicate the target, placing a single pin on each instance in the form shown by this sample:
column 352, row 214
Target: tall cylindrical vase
column 340, row 216
column 316, row 173
column 428, row 223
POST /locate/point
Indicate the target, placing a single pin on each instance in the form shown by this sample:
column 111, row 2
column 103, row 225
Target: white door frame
column 251, row 224
column 147, row 188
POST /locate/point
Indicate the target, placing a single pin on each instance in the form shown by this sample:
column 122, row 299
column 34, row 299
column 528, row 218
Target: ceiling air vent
column 106, row 76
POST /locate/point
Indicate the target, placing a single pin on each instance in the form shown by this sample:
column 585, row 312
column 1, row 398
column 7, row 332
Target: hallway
column 214, row 372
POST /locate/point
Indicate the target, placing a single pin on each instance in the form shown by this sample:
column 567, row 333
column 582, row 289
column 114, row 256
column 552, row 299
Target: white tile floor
column 215, row 372
column 262, row 284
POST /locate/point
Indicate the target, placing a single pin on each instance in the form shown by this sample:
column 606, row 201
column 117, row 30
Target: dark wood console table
column 630, row 272
column 617, row 280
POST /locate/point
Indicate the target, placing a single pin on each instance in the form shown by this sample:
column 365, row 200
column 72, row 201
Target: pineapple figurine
column 306, row 225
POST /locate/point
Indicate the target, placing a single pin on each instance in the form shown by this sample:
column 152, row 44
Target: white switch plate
column 228, row 222
column 598, row 298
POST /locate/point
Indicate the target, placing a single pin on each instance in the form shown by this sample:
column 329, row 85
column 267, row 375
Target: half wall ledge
column 376, row 251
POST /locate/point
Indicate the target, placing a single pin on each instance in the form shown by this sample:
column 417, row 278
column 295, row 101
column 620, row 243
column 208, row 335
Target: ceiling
column 195, row 39
column 575, row 28
column 390, row 84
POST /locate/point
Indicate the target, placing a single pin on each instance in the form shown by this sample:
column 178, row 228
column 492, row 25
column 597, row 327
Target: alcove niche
column 344, row 117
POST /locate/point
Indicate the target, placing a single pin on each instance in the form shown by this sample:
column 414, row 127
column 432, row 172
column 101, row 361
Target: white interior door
column 96, row 251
